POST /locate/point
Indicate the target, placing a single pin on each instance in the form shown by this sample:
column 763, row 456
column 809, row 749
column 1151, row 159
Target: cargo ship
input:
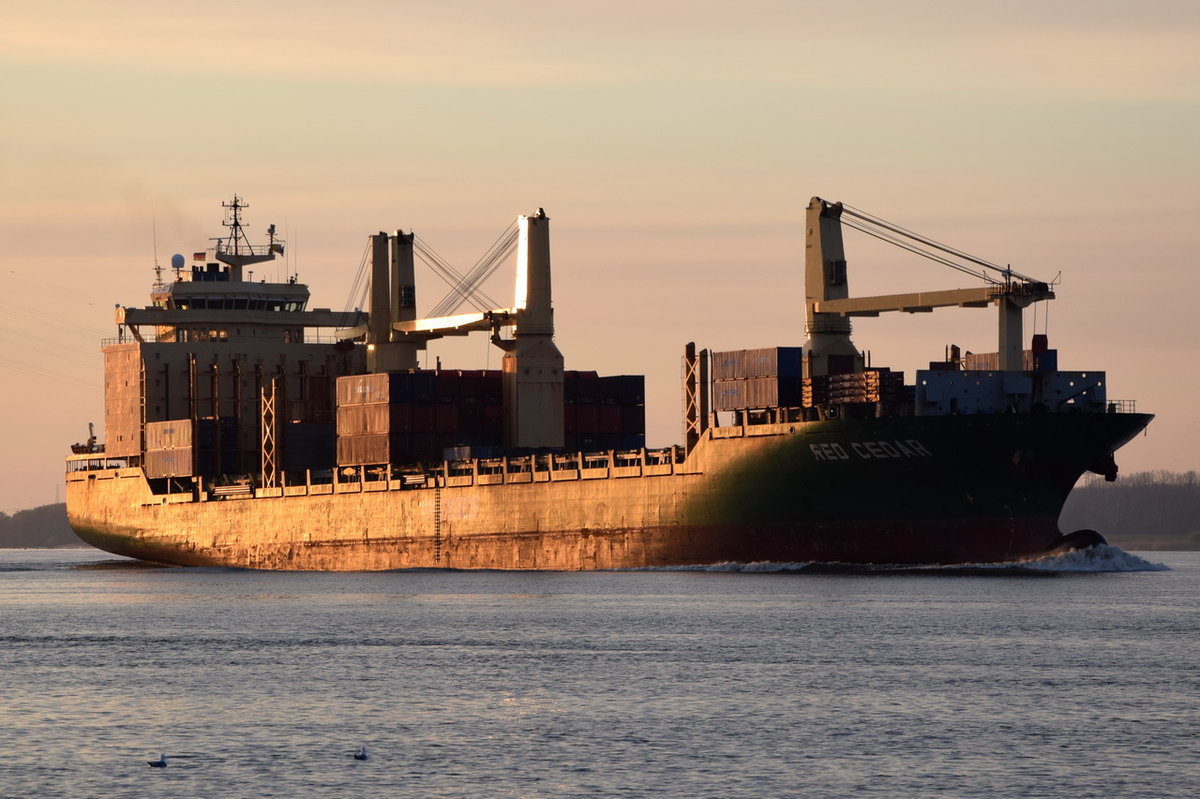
column 244, row 429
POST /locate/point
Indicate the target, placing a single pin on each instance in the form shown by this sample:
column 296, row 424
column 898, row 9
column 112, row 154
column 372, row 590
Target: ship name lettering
column 919, row 448
column 829, row 452
column 868, row 450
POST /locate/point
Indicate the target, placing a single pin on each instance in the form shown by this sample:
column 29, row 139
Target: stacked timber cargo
column 869, row 385
column 183, row 448
column 756, row 379
column 814, row 391
column 603, row 413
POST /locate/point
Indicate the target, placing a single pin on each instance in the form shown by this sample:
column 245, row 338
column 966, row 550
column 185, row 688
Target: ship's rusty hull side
column 907, row 490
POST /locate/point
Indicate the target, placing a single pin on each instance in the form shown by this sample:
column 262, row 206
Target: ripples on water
column 789, row 680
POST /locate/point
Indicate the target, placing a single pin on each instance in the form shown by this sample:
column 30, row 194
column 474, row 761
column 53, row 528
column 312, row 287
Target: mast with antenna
column 158, row 270
column 235, row 249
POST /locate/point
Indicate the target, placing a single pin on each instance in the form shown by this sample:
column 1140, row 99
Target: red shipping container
column 447, row 386
column 609, row 418
column 493, row 419
column 446, row 420
column 470, row 417
column 422, row 414
column 424, row 447
column 493, row 386
column 587, row 418
column 633, row 419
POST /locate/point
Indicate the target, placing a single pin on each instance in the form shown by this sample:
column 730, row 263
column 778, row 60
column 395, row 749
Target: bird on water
column 160, row 763
column 361, row 754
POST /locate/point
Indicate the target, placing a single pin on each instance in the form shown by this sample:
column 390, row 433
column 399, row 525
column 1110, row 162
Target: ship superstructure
column 185, row 400
column 254, row 432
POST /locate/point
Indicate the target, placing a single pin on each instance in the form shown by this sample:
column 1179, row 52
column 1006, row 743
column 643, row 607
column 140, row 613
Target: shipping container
column 445, row 417
column 385, row 387
column 356, row 420
column 308, row 445
column 609, row 418
column 422, row 417
column 582, row 442
column 756, row 393
column 371, row 449
column 633, row 419
column 633, row 440
column 621, row 389
column 632, row 389
column 210, row 464
column 492, row 386
column 471, row 385
column 171, row 434
column 728, row 395
column 767, row 362
column 422, row 447
column 580, row 386
column 587, row 417
column 470, row 416
column 447, row 386
column 175, row 462
column 209, row 432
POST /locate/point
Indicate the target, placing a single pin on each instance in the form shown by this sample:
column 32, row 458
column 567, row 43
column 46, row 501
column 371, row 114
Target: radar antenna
column 235, row 249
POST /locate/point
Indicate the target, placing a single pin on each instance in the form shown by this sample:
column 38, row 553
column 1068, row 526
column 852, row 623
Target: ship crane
column 829, row 306
column 532, row 363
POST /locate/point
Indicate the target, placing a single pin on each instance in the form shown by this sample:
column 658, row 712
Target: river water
column 1074, row 677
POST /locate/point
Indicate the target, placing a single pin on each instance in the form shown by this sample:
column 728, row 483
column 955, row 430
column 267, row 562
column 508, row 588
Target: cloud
column 1088, row 50
column 326, row 44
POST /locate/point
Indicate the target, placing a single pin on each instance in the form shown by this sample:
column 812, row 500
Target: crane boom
column 829, row 304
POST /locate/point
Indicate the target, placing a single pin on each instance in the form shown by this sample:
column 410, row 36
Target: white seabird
column 361, row 754
column 160, row 763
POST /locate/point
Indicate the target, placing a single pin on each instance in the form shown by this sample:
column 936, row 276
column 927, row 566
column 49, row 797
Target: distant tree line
column 38, row 527
column 1146, row 510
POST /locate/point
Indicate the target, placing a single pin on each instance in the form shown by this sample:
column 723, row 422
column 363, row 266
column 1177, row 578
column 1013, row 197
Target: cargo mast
column 828, row 349
column 533, row 365
column 829, row 306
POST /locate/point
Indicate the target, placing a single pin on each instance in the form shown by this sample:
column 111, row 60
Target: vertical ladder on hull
column 437, row 520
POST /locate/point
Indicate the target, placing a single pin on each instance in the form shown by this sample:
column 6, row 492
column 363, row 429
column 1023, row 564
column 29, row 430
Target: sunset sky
column 673, row 144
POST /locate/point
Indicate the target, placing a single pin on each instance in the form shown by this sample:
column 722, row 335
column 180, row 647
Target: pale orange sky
column 673, row 144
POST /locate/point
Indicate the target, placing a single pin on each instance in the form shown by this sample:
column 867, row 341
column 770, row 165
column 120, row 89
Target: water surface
column 1074, row 677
